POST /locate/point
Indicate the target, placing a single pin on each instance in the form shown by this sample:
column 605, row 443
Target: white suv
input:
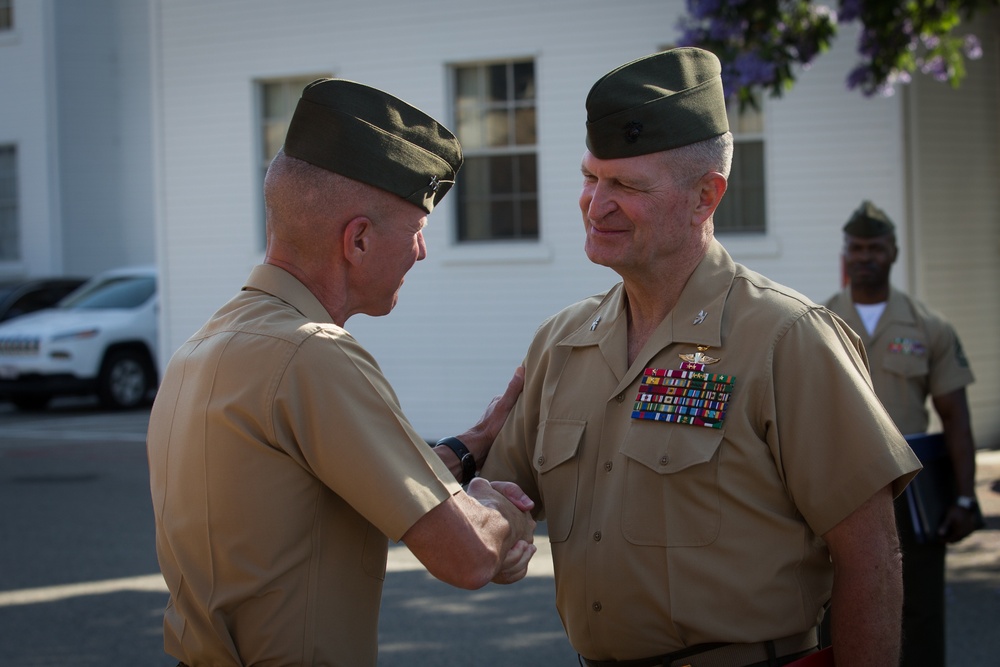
column 101, row 338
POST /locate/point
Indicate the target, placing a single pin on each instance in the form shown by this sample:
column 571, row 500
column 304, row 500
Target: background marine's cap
column 869, row 221
column 370, row 136
column 658, row 102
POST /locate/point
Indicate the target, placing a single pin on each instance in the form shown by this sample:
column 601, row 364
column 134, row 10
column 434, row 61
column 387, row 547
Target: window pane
column 278, row 100
column 527, row 176
column 474, row 178
column 498, row 83
column 6, row 14
column 502, row 175
column 748, row 121
column 469, row 126
column 275, row 101
column 504, row 223
column 10, row 226
column 524, row 81
column 524, row 127
column 274, row 138
column 529, row 219
column 467, row 85
column 497, row 128
column 476, row 219
column 743, row 207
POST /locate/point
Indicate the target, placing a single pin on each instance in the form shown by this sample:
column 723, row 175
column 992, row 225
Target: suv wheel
column 124, row 381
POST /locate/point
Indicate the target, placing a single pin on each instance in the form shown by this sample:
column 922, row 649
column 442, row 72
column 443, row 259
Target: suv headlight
column 79, row 334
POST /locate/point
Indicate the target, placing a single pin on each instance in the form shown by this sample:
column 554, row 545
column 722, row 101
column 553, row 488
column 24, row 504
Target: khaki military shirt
column 665, row 535
column 279, row 462
column 914, row 353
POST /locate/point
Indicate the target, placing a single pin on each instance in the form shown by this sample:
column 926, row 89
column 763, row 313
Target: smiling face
column 636, row 214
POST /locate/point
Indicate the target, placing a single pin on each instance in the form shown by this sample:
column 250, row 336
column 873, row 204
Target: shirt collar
column 281, row 284
column 696, row 319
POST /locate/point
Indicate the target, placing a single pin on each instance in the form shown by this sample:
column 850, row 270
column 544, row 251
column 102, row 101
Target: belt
column 722, row 655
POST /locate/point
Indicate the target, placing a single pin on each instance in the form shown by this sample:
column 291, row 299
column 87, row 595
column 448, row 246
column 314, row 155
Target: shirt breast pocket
column 671, row 496
column 906, row 365
column 557, row 469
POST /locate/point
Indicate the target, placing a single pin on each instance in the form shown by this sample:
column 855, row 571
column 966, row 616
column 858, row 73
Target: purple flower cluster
column 850, row 10
column 761, row 41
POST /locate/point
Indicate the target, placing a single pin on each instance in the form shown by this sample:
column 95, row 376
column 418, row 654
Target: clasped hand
column 511, row 502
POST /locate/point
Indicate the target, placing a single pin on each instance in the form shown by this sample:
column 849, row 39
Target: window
column 743, row 207
column 497, row 188
column 6, row 14
column 276, row 103
column 10, row 226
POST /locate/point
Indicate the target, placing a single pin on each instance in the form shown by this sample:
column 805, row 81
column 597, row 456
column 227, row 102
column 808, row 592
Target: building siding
column 956, row 215
column 467, row 313
column 136, row 136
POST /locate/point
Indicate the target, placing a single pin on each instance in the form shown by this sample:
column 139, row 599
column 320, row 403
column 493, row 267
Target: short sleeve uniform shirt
column 280, row 462
column 914, row 353
column 666, row 534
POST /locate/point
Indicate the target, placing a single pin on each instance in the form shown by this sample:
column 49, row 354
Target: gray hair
column 691, row 162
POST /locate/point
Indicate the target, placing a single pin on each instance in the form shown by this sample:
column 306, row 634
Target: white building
column 126, row 110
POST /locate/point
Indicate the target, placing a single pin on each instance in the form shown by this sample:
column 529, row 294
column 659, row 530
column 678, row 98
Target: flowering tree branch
column 761, row 42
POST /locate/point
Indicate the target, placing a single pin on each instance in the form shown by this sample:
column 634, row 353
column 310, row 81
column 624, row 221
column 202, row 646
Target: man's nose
column 600, row 203
column 421, row 246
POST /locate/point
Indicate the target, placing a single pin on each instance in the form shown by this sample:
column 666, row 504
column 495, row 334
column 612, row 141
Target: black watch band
column 466, row 458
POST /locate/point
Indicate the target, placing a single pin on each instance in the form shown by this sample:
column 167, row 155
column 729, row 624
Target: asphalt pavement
column 79, row 584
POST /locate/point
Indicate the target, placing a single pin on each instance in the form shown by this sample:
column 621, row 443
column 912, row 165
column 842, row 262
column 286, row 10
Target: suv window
column 120, row 292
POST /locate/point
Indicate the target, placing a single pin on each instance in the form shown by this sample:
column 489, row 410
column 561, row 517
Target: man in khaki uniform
column 279, row 458
column 914, row 353
column 700, row 440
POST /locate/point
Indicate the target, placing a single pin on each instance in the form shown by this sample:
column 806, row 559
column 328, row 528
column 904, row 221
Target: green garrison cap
column 662, row 101
column 869, row 221
column 370, row 136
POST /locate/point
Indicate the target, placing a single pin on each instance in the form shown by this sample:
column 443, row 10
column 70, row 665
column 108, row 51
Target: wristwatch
column 465, row 457
column 966, row 502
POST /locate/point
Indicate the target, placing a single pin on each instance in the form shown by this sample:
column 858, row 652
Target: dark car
column 18, row 297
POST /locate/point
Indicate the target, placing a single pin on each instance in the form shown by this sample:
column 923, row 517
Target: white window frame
column 479, row 148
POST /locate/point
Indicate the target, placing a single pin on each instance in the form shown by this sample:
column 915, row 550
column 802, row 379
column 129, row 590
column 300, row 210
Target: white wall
column 956, row 213
column 27, row 119
column 102, row 93
column 466, row 315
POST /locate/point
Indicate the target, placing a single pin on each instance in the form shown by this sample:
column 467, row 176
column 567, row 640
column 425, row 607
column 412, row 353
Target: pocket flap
column 558, row 442
column 670, row 448
column 906, row 365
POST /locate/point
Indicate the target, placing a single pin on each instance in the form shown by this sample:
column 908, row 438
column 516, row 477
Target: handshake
column 507, row 499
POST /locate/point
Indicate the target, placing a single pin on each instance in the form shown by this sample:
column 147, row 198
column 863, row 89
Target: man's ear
column 710, row 189
column 357, row 239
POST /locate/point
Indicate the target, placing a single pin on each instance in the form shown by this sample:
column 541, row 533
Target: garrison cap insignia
column 633, row 129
